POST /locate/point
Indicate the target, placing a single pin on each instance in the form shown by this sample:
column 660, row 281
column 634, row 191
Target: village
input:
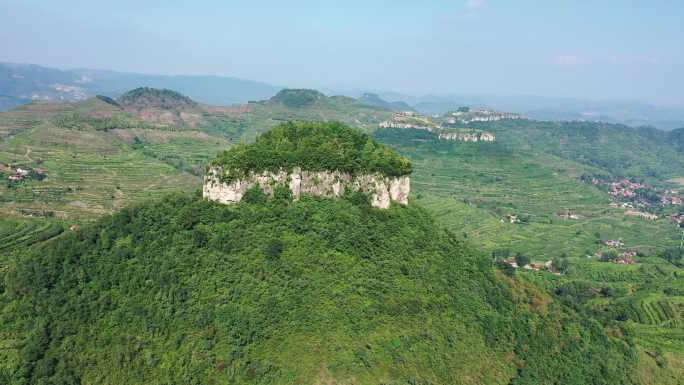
column 18, row 174
column 638, row 199
column 612, row 251
column 516, row 263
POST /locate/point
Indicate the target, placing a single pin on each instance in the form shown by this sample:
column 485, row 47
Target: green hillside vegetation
column 273, row 291
column 621, row 150
column 308, row 105
column 473, row 188
column 314, row 147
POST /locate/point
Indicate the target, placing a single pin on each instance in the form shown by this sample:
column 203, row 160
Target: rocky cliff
column 468, row 136
column 382, row 189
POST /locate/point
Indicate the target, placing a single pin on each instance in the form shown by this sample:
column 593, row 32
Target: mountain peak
column 146, row 97
column 374, row 100
column 295, row 98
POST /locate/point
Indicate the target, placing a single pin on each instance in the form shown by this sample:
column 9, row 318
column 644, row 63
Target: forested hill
column 619, row 149
column 275, row 292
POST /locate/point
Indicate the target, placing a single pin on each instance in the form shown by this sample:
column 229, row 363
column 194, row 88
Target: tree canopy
column 313, row 146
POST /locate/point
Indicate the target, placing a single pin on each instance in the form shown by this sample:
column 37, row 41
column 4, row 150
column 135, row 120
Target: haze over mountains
column 22, row 83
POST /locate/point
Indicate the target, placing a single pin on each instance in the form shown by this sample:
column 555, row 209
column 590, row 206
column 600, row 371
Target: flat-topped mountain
column 321, row 159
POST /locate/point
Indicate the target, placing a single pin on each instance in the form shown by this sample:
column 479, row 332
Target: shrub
column 522, row 260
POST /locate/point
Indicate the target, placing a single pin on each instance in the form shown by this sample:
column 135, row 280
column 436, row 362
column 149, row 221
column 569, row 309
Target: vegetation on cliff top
column 315, row 147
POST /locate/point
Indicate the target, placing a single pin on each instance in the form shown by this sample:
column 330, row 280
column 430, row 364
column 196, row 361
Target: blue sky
column 601, row 49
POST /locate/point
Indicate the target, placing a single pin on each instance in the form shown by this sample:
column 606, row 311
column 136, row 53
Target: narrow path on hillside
column 28, row 154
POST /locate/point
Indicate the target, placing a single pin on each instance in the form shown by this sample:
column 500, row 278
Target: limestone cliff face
column 382, row 190
column 468, row 137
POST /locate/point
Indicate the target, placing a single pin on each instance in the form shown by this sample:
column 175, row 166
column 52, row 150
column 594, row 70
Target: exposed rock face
column 382, row 190
column 468, row 137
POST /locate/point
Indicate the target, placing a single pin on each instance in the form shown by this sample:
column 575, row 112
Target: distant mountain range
column 23, row 83
column 375, row 100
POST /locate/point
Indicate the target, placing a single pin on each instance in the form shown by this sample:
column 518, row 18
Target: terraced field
column 91, row 171
column 475, row 188
column 16, row 234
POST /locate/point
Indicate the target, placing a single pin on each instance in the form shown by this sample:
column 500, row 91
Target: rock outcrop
column 382, row 189
column 468, row 136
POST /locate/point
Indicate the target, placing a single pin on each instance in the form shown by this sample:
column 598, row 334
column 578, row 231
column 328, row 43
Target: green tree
column 522, row 260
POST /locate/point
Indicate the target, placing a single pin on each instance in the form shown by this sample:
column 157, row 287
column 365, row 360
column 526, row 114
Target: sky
column 589, row 49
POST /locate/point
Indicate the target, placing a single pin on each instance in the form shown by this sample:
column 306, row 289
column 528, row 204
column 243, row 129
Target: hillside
column 100, row 154
column 164, row 107
column 92, row 157
column 184, row 290
column 146, row 97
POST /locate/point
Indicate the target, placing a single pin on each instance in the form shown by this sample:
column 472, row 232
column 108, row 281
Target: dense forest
column 184, row 291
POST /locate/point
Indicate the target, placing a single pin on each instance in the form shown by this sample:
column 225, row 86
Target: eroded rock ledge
column 382, row 189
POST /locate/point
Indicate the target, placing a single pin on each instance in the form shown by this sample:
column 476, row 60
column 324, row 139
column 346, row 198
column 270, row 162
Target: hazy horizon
column 616, row 50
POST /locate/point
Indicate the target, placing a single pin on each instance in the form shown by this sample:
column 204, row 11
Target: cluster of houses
column 667, row 200
column 638, row 198
column 19, row 174
column 624, row 258
column 624, row 188
column 546, row 266
column 614, row 243
column 677, row 219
